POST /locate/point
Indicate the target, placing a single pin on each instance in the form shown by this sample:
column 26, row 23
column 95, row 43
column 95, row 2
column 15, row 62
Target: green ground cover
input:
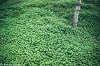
column 40, row 33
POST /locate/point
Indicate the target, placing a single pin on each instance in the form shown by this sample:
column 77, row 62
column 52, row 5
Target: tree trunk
column 76, row 14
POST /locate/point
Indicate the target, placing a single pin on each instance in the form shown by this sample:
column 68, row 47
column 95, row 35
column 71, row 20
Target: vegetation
column 40, row 33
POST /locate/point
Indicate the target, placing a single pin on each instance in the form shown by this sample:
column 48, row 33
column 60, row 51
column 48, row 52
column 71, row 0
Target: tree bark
column 76, row 14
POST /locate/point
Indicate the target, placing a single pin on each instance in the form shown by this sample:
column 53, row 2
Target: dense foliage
column 40, row 33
